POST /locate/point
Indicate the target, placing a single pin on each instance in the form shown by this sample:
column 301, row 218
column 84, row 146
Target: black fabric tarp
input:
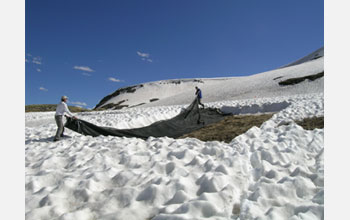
column 190, row 119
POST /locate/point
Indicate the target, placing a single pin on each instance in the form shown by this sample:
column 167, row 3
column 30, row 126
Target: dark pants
column 60, row 127
column 199, row 102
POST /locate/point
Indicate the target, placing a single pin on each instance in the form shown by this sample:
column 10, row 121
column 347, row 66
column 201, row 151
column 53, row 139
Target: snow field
column 259, row 85
column 271, row 172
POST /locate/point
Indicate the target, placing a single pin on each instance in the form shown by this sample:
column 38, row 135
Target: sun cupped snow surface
column 275, row 171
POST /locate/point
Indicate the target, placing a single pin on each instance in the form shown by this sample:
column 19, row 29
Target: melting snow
column 275, row 171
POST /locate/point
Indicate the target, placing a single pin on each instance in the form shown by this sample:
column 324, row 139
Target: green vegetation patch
column 235, row 125
column 51, row 108
column 228, row 128
column 312, row 123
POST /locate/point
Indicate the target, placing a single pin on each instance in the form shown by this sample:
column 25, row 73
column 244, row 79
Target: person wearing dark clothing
column 199, row 96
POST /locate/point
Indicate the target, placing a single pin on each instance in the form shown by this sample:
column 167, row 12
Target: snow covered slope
column 181, row 91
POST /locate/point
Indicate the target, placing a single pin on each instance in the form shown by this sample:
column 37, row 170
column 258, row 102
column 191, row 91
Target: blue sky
column 88, row 49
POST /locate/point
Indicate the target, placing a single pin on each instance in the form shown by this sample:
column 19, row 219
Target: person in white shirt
column 61, row 109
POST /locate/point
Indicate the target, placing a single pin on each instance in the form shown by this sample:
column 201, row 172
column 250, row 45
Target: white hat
column 64, row 97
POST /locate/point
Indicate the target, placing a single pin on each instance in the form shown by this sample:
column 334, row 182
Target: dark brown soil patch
column 129, row 89
column 228, row 128
column 153, row 100
column 312, row 123
column 235, row 125
column 294, row 81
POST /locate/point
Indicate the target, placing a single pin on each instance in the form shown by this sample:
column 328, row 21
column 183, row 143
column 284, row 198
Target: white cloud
column 31, row 59
column 148, row 60
column 43, row 89
column 144, row 55
column 79, row 104
column 86, row 74
column 37, row 60
column 39, row 70
column 83, row 68
column 114, row 79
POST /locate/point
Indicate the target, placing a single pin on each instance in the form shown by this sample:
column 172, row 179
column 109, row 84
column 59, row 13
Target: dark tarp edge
column 190, row 119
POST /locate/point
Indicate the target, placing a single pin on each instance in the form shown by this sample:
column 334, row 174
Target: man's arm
column 66, row 109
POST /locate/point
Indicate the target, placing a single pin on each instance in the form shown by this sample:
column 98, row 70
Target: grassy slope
column 232, row 126
column 51, row 108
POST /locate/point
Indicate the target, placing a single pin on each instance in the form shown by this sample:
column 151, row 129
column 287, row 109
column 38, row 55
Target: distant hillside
column 51, row 108
column 300, row 77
